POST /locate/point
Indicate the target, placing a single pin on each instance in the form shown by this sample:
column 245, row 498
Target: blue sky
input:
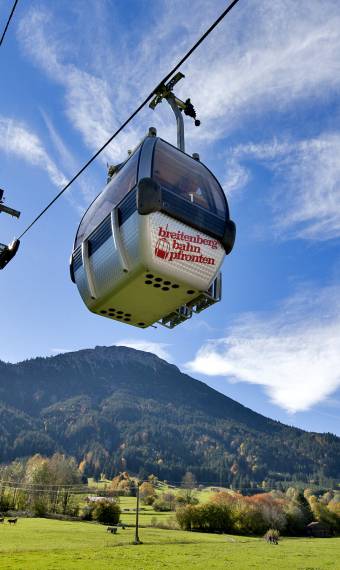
column 266, row 88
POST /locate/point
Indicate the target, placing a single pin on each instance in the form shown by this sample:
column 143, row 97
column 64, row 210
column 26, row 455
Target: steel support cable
column 8, row 22
column 139, row 108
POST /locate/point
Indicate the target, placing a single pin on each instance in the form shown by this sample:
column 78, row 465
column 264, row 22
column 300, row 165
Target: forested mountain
column 116, row 408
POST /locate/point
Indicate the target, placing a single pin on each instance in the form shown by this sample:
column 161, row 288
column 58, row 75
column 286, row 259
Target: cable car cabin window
column 187, row 177
column 114, row 192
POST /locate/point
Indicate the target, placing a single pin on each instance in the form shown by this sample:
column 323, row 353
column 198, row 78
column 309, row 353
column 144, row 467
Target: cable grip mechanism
column 165, row 91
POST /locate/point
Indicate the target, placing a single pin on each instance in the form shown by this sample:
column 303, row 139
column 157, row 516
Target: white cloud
column 294, row 354
column 263, row 57
column 263, row 60
column 198, row 325
column 312, row 189
column 88, row 96
column 306, row 186
column 267, row 57
column 87, row 184
column 17, row 139
column 158, row 348
column 237, row 176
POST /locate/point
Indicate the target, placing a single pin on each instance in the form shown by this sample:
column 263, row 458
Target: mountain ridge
column 119, row 408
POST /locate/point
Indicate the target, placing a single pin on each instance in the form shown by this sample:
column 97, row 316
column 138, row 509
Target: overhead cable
column 8, row 21
column 139, row 108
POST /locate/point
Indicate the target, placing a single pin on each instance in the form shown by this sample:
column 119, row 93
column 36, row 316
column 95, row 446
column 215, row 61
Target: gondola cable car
column 7, row 252
column 150, row 247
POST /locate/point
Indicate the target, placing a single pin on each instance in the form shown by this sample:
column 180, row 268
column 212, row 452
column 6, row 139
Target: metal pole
column 9, row 211
column 137, row 541
column 179, row 120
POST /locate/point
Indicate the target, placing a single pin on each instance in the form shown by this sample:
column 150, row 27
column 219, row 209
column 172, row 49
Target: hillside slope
column 117, row 408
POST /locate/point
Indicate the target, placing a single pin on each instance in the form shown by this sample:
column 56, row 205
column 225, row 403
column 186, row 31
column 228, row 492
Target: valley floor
column 36, row 544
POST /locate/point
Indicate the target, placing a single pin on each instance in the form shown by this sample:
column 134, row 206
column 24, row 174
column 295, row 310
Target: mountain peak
column 117, row 406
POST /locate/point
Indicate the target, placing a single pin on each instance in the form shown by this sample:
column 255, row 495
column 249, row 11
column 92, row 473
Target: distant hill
column 116, row 408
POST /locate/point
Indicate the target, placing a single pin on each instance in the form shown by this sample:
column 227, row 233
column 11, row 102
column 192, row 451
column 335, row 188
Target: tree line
column 55, row 485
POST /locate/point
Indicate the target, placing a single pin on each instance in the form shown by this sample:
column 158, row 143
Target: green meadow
column 35, row 544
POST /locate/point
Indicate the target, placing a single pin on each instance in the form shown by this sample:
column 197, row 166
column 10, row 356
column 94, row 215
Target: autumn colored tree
column 147, row 493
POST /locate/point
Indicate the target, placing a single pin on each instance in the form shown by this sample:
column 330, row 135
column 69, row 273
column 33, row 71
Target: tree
column 37, row 471
column 271, row 508
column 170, row 499
column 323, row 514
column 303, row 504
column 188, row 485
column 298, row 511
column 147, row 493
column 64, row 470
column 189, row 481
column 334, row 508
column 50, row 479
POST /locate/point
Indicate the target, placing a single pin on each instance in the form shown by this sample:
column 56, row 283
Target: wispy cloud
column 237, row 175
column 88, row 186
column 16, row 138
column 261, row 62
column 306, row 185
column 264, row 57
column 158, row 348
column 88, row 96
column 294, row 354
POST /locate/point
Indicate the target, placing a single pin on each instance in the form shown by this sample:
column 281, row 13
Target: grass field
column 146, row 513
column 36, row 544
column 128, row 504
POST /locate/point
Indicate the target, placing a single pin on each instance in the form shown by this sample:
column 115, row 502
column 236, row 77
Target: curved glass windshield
column 183, row 175
column 114, row 192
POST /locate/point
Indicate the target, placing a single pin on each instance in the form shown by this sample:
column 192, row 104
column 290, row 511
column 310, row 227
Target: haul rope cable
column 8, row 21
column 139, row 108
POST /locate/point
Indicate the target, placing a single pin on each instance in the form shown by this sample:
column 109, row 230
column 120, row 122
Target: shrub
column 149, row 500
column 161, row 506
column 186, row 517
column 215, row 518
column 209, row 517
column 5, row 503
column 72, row 507
column 40, row 506
column 248, row 518
column 87, row 512
column 186, row 499
column 107, row 512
